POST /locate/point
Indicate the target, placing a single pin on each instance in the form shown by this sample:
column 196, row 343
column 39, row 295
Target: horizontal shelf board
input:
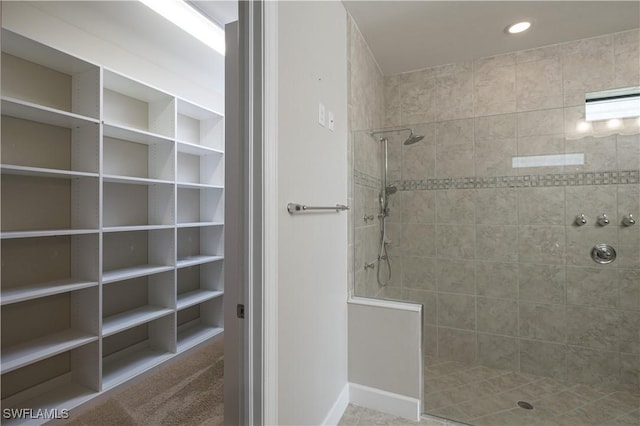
column 194, row 333
column 128, row 86
column 66, row 396
column 133, row 135
column 135, row 228
column 198, row 224
column 197, row 260
column 42, row 114
column 10, row 169
column 37, row 290
column 117, row 369
column 197, row 296
column 35, row 350
column 133, row 272
column 45, row 233
column 190, row 185
column 196, row 111
column 129, row 319
column 135, row 180
column 196, row 149
column 41, row 54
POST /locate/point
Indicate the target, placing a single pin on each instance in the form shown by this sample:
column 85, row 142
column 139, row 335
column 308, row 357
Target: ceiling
column 410, row 35
column 135, row 28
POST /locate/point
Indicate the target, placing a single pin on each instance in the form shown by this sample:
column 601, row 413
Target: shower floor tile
column 485, row 396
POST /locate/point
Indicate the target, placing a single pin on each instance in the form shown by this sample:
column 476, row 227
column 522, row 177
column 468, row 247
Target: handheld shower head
column 391, row 189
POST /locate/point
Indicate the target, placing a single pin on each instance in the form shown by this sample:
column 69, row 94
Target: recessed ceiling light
column 518, row 27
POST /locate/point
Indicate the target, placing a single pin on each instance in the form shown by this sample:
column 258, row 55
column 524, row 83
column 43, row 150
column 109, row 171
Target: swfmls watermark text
column 34, row 414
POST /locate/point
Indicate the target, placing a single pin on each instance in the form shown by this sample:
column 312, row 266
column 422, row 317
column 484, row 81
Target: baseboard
column 337, row 410
column 386, row 402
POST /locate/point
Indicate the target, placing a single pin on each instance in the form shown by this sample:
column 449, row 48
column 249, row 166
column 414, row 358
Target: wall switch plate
column 321, row 112
column 331, row 122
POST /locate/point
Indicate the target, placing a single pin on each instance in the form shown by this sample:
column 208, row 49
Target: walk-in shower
column 385, row 191
column 478, row 222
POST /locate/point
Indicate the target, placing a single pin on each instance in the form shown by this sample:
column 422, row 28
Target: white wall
column 128, row 38
column 312, row 267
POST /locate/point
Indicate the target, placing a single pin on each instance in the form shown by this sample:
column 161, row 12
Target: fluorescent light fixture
column 190, row 20
column 519, row 27
column 614, row 103
column 547, row 160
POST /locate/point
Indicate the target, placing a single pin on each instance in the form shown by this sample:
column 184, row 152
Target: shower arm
column 380, row 132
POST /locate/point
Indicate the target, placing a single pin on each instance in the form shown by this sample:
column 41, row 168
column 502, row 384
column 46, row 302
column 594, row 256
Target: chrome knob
column 368, row 217
column 369, row 265
column 581, row 220
column 628, row 220
column 603, row 220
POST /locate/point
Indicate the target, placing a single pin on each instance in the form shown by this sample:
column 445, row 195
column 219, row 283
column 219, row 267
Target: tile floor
column 485, row 396
column 360, row 416
column 469, row 394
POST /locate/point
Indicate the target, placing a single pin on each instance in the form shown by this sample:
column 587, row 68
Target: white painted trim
column 270, row 212
column 338, row 408
column 253, row 382
column 386, row 402
column 381, row 303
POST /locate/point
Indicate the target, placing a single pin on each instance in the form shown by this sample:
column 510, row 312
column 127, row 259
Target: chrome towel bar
column 294, row 208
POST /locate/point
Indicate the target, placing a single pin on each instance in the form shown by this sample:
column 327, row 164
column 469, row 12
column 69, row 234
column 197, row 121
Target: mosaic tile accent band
column 525, row 181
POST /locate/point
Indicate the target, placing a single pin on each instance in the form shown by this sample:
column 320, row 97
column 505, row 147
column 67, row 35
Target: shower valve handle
column 603, row 220
column 581, row 220
column 628, row 220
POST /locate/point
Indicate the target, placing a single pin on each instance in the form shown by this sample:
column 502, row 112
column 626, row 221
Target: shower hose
column 383, row 256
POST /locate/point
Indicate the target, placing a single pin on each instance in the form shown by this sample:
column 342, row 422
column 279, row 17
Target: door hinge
column 240, row 310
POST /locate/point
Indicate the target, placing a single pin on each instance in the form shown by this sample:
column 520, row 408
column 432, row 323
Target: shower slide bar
column 294, row 208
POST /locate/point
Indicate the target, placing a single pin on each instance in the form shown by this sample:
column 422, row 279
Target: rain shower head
column 413, row 138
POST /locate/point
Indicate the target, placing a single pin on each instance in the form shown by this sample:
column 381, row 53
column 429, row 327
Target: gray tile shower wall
column 492, row 251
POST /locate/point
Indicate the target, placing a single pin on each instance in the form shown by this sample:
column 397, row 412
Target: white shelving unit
column 115, row 191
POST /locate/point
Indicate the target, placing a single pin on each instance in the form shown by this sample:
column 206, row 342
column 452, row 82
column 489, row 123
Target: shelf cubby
column 46, row 149
column 199, row 283
column 129, row 104
column 34, row 203
column 198, row 323
column 137, row 157
column 130, row 303
column 203, row 170
column 39, row 75
column 137, row 204
column 134, row 254
column 65, row 380
column 200, row 205
column 199, row 245
column 71, row 322
column 136, row 350
column 198, row 127
column 64, row 264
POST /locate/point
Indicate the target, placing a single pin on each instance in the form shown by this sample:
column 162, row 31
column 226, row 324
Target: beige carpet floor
column 187, row 393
